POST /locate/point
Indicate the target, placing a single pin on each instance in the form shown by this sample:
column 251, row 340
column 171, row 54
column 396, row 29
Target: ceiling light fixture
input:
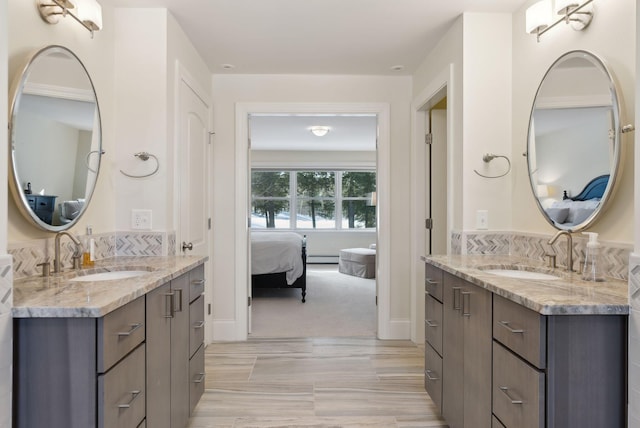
column 539, row 17
column 88, row 13
column 319, row 131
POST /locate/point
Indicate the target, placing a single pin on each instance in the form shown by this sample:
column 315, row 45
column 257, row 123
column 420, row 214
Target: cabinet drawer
column 433, row 376
column 518, row 391
column 196, row 378
column 196, row 330
column 433, row 323
column 433, row 281
column 196, row 283
column 119, row 332
column 521, row 330
column 121, row 393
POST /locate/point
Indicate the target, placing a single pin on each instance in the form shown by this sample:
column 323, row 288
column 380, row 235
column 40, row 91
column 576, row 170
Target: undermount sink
column 107, row 276
column 521, row 274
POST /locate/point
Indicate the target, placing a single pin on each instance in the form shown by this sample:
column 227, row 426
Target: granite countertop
column 58, row 297
column 569, row 295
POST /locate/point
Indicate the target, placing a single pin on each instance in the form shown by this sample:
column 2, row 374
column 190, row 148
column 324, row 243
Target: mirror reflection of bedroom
column 313, row 225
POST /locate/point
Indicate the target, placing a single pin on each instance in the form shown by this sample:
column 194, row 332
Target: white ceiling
column 317, row 36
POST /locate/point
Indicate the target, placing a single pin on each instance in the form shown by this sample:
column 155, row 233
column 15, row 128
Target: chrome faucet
column 569, row 247
column 57, row 261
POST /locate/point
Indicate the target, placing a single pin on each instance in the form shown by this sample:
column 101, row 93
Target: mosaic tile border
column 6, row 284
column 535, row 246
column 27, row 255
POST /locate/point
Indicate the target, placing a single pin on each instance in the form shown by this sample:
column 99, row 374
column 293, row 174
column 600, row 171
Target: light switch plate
column 482, row 219
column 141, row 219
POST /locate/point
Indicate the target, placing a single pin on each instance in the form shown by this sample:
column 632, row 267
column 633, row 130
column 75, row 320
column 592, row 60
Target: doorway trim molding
column 385, row 327
column 440, row 86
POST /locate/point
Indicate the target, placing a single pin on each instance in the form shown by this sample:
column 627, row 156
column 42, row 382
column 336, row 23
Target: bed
column 279, row 260
column 571, row 211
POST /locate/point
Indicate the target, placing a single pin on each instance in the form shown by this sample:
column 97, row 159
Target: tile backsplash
column 27, row 255
column 535, row 246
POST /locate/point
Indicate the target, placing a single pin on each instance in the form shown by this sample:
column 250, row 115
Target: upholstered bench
column 358, row 262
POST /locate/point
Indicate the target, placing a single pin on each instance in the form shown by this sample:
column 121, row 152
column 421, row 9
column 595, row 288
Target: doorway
column 243, row 155
column 312, row 176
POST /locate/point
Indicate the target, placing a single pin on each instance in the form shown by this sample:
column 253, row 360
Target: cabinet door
column 180, row 352
column 477, row 318
column 159, row 315
column 452, row 352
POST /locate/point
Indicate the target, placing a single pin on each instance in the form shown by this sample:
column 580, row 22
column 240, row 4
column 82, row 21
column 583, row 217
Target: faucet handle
column 552, row 260
column 46, row 268
column 77, row 261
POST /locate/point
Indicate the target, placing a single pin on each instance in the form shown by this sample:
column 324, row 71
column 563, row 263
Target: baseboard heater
column 317, row 259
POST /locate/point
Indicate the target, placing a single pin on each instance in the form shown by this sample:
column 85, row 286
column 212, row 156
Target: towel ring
column 86, row 159
column 144, row 156
column 488, row 158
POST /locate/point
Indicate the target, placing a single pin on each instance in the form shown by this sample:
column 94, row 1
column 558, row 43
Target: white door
column 438, row 173
column 193, row 175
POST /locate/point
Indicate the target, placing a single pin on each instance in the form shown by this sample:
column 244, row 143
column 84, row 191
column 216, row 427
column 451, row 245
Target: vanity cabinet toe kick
column 545, row 371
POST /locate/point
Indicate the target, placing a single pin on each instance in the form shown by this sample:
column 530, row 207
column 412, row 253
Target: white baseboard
column 396, row 329
column 226, row 331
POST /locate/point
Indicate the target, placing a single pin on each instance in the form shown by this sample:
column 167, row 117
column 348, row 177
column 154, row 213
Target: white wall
column 231, row 89
column 611, row 36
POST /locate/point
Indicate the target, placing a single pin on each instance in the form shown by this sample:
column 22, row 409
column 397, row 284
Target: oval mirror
column 56, row 139
column 573, row 148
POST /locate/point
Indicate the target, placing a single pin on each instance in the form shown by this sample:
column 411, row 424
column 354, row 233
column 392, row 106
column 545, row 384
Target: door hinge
column 208, row 308
column 249, row 301
column 376, row 300
column 428, row 138
column 209, row 223
column 428, row 223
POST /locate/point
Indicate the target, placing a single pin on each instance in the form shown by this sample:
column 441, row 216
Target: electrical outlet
column 141, row 219
column 482, row 219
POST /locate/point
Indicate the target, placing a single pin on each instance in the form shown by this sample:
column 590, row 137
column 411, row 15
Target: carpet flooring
column 337, row 305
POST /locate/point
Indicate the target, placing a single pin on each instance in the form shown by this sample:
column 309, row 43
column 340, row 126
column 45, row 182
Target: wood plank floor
column 315, row 382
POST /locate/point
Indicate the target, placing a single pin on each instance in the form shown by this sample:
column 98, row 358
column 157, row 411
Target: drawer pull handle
column 456, row 298
column 179, row 290
column 197, row 282
column 200, row 378
column 428, row 374
column 199, row 324
column 505, row 324
column 431, row 282
column 505, row 391
column 431, row 324
column 170, row 304
column 134, row 397
column 466, row 304
column 134, row 327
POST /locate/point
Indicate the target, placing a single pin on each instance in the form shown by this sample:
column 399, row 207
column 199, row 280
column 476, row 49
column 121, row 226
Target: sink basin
column 108, row 276
column 521, row 274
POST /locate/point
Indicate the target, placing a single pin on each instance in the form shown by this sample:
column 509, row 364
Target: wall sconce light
column 539, row 18
column 87, row 12
column 319, row 131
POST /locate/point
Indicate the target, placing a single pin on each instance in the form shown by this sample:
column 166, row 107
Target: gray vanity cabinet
column 558, row 371
column 81, row 372
column 168, row 354
column 433, row 335
column 466, row 377
column 175, row 350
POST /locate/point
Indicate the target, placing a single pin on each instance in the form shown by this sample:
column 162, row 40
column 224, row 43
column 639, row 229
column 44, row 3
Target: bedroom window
column 313, row 199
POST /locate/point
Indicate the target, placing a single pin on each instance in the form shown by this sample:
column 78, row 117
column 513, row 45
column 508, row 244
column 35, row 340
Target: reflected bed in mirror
column 573, row 147
column 56, row 139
